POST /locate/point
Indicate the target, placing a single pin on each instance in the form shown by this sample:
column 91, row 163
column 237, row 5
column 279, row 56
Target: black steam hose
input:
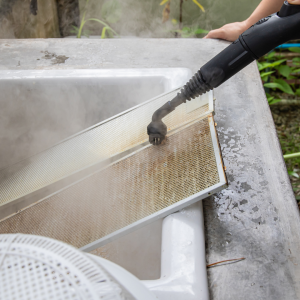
column 255, row 42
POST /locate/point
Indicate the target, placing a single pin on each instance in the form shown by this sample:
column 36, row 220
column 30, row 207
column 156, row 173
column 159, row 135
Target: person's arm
column 231, row 32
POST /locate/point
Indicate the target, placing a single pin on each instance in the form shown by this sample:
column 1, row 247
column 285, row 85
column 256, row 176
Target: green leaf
column 270, row 55
column 284, row 70
column 273, row 101
column 263, row 74
column 259, row 65
column 262, row 65
column 296, row 71
column 200, row 31
column 199, row 5
column 74, row 30
column 186, row 29
column 111, row 11
column 294, row 49
column 277, row 63
column 296, row 60
column 103, row 23
column 268, row 96
column 103, row 33
column 83, row 21
column 297, row 92
column 163, row 2
column 275, row 85
column 185, row 32
column 286, row 87
column 265, row 65
column 186, row 35
column 291, row 77
column 266, row 78
column 294, row 174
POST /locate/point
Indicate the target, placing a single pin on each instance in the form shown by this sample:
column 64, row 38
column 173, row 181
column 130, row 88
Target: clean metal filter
column 108, row 180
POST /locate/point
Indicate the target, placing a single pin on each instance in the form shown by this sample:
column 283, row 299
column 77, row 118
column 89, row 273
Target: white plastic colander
column 35, row 267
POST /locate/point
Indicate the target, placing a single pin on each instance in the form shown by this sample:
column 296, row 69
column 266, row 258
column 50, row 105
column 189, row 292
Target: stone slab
column 257, row 216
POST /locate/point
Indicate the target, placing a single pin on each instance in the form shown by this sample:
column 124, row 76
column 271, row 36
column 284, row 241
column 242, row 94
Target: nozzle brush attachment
column 157, row 130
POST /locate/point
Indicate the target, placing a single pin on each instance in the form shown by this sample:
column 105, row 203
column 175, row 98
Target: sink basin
column 39, row 108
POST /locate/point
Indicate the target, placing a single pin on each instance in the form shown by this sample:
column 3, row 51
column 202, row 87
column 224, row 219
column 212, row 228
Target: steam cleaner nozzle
column 157, row 130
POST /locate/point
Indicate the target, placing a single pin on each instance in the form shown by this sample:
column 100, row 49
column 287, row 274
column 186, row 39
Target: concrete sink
column 41, row 108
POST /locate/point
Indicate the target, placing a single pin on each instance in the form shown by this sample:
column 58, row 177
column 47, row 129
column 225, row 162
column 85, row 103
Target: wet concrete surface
column 256, row 217
column 251, row 218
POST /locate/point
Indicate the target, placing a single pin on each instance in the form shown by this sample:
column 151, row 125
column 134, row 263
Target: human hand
column 230, row 32
column 295, row 2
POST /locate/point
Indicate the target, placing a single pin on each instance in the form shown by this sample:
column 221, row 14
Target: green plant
column 187, row 32
column 110, row 12
column 276, row 75
column 271, row 99
column 291, row 155
column 288, row 131
column 293, row 173
column 281, row 76
column 182, row 31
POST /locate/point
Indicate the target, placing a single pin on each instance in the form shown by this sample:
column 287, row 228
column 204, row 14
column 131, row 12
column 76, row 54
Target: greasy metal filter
column 95, row 144
column 125, row 192
column 108, row 180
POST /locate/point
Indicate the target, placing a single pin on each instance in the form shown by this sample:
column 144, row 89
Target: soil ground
column 287, row 123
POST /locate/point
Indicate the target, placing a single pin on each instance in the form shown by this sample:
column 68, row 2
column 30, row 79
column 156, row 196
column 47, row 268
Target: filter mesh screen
column 125, row 192
column 87, row 148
